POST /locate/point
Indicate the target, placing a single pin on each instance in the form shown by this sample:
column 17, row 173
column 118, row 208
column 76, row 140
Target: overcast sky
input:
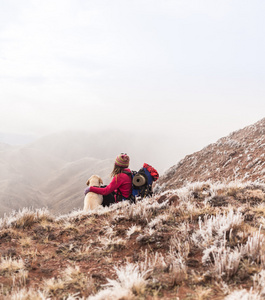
column 192, row 70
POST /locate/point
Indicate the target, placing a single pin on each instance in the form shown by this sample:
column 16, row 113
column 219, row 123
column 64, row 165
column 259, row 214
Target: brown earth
column 241, row 155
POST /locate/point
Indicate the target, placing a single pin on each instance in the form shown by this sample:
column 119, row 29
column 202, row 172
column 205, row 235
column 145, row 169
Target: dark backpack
column 142, row 182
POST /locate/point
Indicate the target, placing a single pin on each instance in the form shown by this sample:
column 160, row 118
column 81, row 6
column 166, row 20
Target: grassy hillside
column 239, row 155
column 202, row 241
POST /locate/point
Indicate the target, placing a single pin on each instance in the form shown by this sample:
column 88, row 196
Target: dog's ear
column 100, row 181
column 88, row 182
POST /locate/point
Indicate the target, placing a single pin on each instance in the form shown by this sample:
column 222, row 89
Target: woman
column 120, row 188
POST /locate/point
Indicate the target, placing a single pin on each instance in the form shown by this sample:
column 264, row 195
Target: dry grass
column 70, row 278
column 197, row 242
column 10, row 266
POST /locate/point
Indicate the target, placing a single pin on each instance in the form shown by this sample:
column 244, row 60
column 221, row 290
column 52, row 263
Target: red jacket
column 122, row 181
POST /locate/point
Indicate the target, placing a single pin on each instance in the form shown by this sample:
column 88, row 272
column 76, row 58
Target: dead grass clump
column 180, row 247
column 177, row 267
column 254, row 249
column 44, row 215
column 27, row 294
column 259, row 282
column 25, row 218
column 203, row 293
column 144, row 210
column 259, row 209
column 188, row 209
column 20, row 278
column 223, row 261
column 154, row 262
column 185, row 193
column 111, row 243
column 218, row 201
column 25, row 242
column 166, row 270
column 14, row 270
column 233, row 191
column 10, row 266
column 69, row 279
column 151, row 236
column 201, row 192
column 70, row 227
column 54, row 286
column 9, row 234
column 130, row 282
column 158, row 221
column 132, row 230
column 214, row 228
column 244, row 295
column 253, row 196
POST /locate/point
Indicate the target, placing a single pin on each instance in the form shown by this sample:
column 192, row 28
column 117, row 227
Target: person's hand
column 86, row 190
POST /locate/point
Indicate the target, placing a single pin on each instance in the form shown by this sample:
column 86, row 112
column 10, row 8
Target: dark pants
column 108, row 199
column 113, row 198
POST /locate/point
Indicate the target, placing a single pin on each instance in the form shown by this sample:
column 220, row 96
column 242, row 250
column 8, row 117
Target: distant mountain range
column 241, row 155
column 52, row 171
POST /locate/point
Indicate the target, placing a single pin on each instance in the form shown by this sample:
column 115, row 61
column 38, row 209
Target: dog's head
column 94, row 180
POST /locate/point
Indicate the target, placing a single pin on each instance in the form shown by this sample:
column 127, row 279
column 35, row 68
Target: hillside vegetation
column 202, row 241
column 239, row 155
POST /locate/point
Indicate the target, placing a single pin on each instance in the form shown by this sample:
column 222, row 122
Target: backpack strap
column 119, row 195
column 127, row 173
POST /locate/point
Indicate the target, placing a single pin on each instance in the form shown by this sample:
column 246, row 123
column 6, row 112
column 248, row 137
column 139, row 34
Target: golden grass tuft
column 72, row 278
column 9, row 266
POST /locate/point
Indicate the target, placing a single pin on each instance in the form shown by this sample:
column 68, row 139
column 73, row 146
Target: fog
column 180, row 73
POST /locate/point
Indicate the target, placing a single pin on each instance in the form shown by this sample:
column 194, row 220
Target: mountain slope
column 68, row 183
column 32, row 178
column 53, row 170
column 72, row 146
column 22, row 171
column 241, row 155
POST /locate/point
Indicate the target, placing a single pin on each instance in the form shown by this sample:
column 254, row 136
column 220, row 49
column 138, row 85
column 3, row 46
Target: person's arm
column 87, row 190
column 114, row 185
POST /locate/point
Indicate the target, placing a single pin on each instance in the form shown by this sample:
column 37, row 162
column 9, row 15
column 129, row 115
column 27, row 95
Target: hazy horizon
column 157, row 150
column 191, row 72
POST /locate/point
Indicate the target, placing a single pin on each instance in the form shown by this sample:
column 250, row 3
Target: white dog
column 93, row 200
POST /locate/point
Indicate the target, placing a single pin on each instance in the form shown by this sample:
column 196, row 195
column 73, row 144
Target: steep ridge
column 240, row 155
